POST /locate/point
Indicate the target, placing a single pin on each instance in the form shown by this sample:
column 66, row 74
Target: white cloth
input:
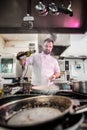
column 43, row 66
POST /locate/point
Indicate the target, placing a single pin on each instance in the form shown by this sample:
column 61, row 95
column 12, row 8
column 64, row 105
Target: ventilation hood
column 61, row 42
column 58, row 50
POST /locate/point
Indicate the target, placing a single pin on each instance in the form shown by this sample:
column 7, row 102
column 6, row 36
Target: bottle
column 22, row 55
column 28, row 53
column 25, row 85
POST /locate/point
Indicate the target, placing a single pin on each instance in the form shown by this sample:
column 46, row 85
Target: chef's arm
column 55, row 76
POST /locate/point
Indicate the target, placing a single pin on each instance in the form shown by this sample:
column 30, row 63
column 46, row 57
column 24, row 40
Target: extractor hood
column 58, row 50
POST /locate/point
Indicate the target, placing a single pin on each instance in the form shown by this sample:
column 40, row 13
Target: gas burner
column 71, row 94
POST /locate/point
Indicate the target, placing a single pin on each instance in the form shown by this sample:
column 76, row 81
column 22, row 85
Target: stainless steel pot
column 79, row 86
column 29, row 112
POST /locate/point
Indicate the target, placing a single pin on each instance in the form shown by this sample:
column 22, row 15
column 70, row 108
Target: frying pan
column 28, row 112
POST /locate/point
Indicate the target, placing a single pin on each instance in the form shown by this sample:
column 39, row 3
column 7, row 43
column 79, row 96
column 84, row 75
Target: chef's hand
column 52, row 78
column 22, row 61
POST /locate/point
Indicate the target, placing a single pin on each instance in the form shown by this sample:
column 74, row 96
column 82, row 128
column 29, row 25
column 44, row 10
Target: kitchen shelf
column 83, row 58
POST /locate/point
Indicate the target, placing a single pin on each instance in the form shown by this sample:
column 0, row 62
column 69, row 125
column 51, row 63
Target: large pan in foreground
column 35, row 112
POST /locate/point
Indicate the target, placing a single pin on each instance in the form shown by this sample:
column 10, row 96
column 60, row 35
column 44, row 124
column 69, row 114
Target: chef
column 45, row 69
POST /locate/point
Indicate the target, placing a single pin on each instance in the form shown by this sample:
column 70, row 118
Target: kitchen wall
column 78, row 69
column 1, row 45
column 77, row 53
column 12, row 47
column 15, row 45
column 78, row 45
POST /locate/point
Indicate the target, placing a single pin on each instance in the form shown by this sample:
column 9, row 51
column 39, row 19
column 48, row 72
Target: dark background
column 13, row 11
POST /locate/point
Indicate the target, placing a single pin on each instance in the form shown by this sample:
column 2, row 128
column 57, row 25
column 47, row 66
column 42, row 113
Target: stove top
column 71, row 94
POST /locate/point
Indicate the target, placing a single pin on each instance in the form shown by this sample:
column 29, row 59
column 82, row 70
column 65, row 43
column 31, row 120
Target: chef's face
column 47, row 47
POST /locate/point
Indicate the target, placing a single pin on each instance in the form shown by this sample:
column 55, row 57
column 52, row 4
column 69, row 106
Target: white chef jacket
column 43, row 66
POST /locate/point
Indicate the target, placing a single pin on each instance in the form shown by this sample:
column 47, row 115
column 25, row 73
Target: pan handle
column 80, row 109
